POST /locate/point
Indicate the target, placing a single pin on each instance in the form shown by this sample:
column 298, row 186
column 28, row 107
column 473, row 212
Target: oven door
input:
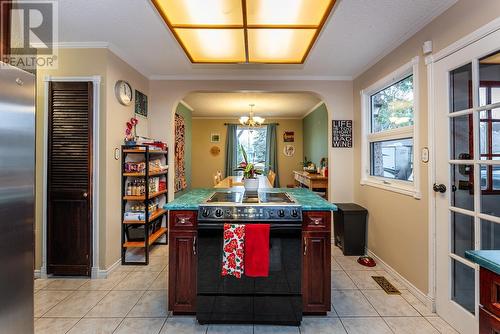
column 274, row 299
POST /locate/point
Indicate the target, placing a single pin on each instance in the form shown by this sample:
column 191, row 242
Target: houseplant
column 250, row 172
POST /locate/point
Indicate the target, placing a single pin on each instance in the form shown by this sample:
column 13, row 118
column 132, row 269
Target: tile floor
column 134, row 300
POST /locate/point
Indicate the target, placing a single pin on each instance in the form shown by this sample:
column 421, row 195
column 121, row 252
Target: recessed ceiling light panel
column 245, row 31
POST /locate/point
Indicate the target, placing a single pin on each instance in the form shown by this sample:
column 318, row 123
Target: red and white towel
column 246, row 250
column 233, row 250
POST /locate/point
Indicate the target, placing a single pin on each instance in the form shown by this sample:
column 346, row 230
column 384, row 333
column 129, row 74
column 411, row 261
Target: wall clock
column 123, row 92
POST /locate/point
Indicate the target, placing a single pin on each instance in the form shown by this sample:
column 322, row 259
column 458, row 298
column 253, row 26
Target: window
column 390, row 118
column 253, row 141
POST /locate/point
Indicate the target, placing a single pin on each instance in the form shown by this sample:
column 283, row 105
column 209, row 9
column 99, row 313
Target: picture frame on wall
column 288, row 136
column 141, row 104
column 342, row 133
column 215, row 137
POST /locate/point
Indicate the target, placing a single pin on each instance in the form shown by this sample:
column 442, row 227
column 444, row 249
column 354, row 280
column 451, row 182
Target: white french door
column 467, row 169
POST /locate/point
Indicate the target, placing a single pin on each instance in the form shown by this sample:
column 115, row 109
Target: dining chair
column 271, row 176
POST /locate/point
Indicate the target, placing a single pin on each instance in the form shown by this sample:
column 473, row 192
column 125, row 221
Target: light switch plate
column 425, row 154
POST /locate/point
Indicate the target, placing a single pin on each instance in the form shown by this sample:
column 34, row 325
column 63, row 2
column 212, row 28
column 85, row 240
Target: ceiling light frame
column 245, row 27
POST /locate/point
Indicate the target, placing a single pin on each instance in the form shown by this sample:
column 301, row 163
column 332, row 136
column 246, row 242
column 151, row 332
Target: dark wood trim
column 5, row 6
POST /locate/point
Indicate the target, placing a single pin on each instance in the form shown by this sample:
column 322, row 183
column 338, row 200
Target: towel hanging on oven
column 233, row 250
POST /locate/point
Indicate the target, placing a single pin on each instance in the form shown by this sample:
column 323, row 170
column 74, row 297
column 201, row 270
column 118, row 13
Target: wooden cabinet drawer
column 488, row 323
column 183, row 220
column 490, row 291
column 317, row 220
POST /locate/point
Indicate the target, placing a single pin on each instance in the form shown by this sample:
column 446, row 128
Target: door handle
column 194, row 246
column 85, row 195
column 305, row 246
column 439, row 188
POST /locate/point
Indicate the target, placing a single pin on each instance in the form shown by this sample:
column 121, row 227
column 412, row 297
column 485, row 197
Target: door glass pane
column 462, row 195
column 462, row 230
column 489, row 77
column 392, row 159
column 463, row 285
column 461, row 88
column 490, row 190
column 490, row 235
column 489, row 134
column 461, row 137
column 392, row 107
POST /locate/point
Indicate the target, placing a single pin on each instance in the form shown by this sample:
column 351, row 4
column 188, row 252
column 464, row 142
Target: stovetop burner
column 263, row 197
column 250, row 206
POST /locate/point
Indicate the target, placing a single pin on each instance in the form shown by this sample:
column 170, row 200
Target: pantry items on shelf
column 138, row 187
column 137, row 212
column 155, row 166
column 135, row 167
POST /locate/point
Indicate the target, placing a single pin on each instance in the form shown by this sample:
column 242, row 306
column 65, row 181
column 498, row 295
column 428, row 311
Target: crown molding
column 185, row 104
column 316, row 106
column 424, row 21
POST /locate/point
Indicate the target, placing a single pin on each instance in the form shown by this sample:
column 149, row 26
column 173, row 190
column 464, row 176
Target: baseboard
column 423, row 297
column 104, row 273
column 37, row 274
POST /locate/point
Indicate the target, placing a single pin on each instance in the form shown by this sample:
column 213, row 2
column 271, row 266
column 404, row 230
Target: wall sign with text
column 341, row 133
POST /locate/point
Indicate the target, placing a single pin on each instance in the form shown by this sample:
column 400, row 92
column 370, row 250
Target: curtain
column 272, row 151
column 231, row 150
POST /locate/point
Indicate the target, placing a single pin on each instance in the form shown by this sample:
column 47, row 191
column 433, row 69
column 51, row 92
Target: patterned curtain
column 180, row 170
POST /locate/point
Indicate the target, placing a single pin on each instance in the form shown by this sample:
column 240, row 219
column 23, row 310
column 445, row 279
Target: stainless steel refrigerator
column 17, row 162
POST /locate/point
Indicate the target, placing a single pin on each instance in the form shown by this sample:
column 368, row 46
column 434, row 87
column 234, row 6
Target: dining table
column 236, row 181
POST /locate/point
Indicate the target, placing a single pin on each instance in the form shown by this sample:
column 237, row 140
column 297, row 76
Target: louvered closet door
column 69, row 178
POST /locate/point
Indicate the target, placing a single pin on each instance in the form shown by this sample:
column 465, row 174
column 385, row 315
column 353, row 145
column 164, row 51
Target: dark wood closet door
column 69, row 178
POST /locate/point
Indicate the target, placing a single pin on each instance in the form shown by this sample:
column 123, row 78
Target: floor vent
column 386, row 285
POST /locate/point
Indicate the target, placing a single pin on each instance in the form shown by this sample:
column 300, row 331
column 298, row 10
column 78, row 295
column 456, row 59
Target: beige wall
column 205, row 165
column 166, row 94
column 112, row 117
column 398, row 224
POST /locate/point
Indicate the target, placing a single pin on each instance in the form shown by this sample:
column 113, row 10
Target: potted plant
column 250, row 172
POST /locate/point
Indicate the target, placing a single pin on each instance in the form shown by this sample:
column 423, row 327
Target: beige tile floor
column 134, row 300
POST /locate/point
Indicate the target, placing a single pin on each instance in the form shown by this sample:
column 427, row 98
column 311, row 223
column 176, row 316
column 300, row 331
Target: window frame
column 409, row 188
column 243, row 127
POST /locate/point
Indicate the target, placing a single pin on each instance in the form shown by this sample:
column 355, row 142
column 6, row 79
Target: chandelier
column 251, row 120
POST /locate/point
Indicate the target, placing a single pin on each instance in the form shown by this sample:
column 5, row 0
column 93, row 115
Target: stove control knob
column 281, row 213
column 219, row 213
column 295, row 213
column 206, row 212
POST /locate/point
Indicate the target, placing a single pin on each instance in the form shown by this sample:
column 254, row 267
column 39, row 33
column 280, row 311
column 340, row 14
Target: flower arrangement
column 248, row 168
column 131, row 125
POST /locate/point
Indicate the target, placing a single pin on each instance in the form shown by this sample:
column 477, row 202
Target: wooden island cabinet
column 489, row 308
column 316, row 262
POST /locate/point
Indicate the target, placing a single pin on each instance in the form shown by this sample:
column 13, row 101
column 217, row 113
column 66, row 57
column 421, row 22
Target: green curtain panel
column 272, row 151
column 231, row 150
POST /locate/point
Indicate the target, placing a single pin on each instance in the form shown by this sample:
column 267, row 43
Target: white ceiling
column 236, row 104
column 358, row 33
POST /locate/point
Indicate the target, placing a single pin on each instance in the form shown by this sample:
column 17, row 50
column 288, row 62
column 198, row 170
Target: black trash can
column 350, row 228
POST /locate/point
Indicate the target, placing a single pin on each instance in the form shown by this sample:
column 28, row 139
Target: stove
column 272, row 300
column 250, row 206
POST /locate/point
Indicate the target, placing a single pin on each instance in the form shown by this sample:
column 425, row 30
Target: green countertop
column 306, row 198
column 489, row 259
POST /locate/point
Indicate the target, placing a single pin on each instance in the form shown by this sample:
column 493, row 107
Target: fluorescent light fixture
column 245, row 31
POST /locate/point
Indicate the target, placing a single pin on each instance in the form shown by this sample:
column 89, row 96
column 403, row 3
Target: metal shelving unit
column 150, row 237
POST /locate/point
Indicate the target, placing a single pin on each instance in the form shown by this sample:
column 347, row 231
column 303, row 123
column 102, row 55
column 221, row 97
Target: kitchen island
column 489, row 288
column 313, row 248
